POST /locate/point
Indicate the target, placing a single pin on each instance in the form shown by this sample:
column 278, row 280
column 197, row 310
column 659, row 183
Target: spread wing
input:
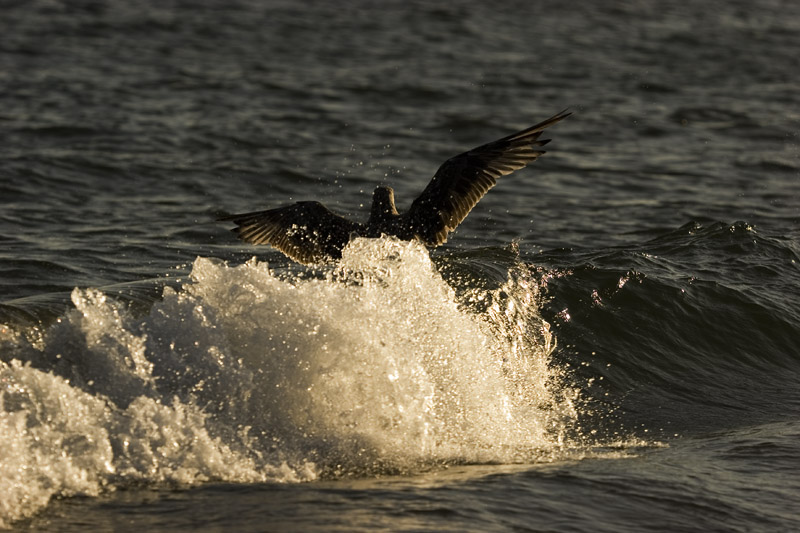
column 308, row 232
column 462, row 181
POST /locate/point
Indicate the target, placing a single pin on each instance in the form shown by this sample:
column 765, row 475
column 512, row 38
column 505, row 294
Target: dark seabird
column 310, row 233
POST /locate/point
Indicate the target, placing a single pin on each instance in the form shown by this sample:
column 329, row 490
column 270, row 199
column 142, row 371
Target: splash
column 244, row 375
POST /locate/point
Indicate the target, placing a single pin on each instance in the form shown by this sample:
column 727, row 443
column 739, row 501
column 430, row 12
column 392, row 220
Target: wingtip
column 558, row 117
column 226, row 218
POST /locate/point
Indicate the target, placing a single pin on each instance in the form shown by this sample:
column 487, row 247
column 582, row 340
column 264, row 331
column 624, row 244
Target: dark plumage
column 310, row 233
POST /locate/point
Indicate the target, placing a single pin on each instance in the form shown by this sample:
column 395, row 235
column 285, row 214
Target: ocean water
column 609, row 342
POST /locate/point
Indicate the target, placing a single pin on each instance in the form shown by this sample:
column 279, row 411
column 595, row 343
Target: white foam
column 244, row 375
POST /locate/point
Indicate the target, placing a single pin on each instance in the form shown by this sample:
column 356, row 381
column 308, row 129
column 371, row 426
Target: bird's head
column 383, row 202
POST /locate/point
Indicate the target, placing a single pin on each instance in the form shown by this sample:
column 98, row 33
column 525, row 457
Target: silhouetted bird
column 310, row 233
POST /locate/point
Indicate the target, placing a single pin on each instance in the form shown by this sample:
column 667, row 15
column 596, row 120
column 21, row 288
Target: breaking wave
column 245, row 374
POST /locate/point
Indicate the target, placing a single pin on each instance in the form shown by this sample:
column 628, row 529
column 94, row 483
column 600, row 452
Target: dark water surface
column 610, row 342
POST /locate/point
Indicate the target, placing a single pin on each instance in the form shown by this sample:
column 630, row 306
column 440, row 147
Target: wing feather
column 308, row 232
column 462, row 181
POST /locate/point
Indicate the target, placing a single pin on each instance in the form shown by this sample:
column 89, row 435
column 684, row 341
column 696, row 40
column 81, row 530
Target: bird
column 311, row 234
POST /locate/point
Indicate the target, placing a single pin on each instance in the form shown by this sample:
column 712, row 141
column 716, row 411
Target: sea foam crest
column 244, row 375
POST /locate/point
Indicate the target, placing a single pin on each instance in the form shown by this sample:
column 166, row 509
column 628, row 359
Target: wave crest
column 374, row 366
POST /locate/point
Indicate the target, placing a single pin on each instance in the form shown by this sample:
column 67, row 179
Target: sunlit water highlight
column 371, row 367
